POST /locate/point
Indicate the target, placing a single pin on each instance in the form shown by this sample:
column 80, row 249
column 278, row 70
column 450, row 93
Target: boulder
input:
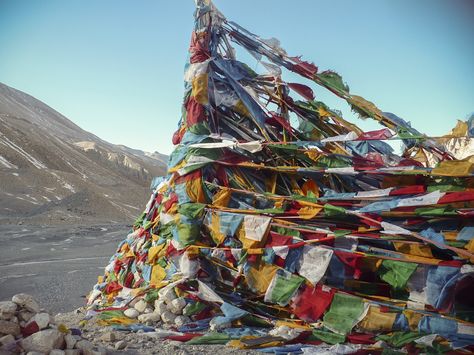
column 181, row 320
column 7, row 309
column 26, row 301
column 42, row 319
column 84, row 345
column 176, row 306
column 131, row 313
column 160, row 306
column 108, row 336
column 7, row 327
column 140, row 306
column 120, row 345
column 7, row 339
column 168, row 317
column 43, row 341
column 70, row 341
column 25, row 316
column 149, row 317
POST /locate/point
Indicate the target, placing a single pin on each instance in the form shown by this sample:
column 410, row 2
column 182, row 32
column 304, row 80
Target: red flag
column 303, row 90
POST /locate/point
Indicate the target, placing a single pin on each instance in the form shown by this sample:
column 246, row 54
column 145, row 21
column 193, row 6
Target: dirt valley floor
column 58, row 265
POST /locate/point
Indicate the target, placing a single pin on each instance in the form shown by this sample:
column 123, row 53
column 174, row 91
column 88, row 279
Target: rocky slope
column 52, row 171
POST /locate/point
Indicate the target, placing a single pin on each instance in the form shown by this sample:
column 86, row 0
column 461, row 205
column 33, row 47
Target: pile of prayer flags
column 282, row 226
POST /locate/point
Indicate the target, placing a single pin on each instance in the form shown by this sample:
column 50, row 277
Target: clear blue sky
column 115, row 67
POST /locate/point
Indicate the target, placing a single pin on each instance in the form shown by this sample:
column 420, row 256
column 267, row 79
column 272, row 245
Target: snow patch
column 24, row 199
column 84, row 176
column 7, row 164
column 64, row 183
column 37, row 163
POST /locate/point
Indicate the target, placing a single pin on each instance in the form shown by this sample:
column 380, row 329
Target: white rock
column 181, row 320
column 148, row 309
column 168, row 295
column 149, row 317
column 131, row 313
column 160, row 306
column 25, row 315
column 168, row 317
column 213, row 325
column 7, row 309
column 72, row 352
column 7, row 327
column 176, row 306
column 108, row 336
column 91, row 352
column 35, row 353
column 14, row 320
column 84, row 345
column 57, row 352
column 7, row 339
column 42, row 319
column 26, row 301
column 70, row 341
column 122, row 344
column 43, row 341
column 140, row 306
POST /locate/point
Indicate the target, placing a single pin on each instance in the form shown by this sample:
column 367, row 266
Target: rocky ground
column 28, row 329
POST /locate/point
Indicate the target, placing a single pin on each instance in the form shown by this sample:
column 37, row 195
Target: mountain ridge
column 46, row 158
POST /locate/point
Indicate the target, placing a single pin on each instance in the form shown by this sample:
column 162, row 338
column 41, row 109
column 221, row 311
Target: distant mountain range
column 52, row 171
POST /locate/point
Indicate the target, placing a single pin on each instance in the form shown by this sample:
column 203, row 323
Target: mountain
column 52, row 171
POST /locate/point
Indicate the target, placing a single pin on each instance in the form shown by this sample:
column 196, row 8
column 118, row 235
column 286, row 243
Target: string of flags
column 283, row 227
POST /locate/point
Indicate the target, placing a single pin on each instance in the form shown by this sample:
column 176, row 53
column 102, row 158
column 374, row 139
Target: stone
column 108, row 336
column 57, row 352
column 149, row 317
column 140, row 306
column 7, row 339
column 120, row 345
column 42, row 319
column 43, row 341
column 168, row 295
column 148, row 309
column 168, row 317
column 84, row 345
column 176, row 306
column 91, row 352
column 35, row 353
column 70, row 341
column 25, row 315
column 29, row 329
column 7, row 327
column 26, row 301
column 7, row 309
column 131, row 313
column 181, row 320
column 72, row 352
column 160, row 306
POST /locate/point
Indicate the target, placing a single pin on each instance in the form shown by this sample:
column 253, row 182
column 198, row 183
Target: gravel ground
column 58, row 265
